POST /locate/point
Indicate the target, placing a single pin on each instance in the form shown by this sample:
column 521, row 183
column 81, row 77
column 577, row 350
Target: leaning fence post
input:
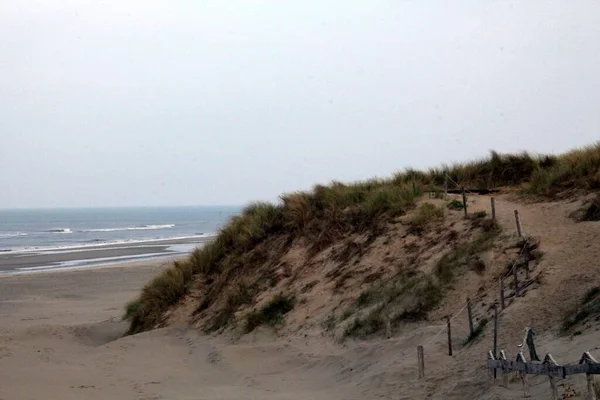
column 523, row 374
column 421, row 362
column 518, row 220
column 549, row 360
column 587, row 358
column 470, row 314
column 445, row 186
column 464, row 198
column 502, row 293
column 493, row 208
column 449, row 336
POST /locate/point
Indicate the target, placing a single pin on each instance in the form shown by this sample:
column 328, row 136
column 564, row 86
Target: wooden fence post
column 516, row 280
column 445, row 185
column 464, row 198
column 491, row 357
column 518, row 220
column 495, row 334
column 421, row 361
column 470, row 314
column 523, row 374
column 493, row 208
column 502, row 293
column 504, row 370
column 587, row 358
column 449, row 336
column 550, row 360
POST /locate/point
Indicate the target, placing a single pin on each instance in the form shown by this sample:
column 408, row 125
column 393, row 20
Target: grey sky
column 106, row 103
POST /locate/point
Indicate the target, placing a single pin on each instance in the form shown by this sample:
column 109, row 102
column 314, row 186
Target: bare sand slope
column 60, row 338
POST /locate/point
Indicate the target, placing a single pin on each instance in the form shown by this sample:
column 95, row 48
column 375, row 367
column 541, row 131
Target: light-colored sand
column 60, row 338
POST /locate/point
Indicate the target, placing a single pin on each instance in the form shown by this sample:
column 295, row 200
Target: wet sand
column 93, row 256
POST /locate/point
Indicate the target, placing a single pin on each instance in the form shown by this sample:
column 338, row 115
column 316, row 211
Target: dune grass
column 271, row 313
column 327, row 213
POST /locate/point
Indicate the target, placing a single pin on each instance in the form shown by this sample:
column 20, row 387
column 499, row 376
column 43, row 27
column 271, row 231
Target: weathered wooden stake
column 495, row 334
column 502, row 293
column 464, row 197
column 493, row 208
column 470, row 314
column 449, row 336
column 504, row 370
column 549, row 360
column 516, row 278
column 588, row 359
column 523, row 374
column 421, row 362
column 526, row 269
column 445, row 186
column 590, row 385
column 518, row 220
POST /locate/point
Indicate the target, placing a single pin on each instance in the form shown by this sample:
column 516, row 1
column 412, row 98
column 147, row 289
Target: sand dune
column 61, row 338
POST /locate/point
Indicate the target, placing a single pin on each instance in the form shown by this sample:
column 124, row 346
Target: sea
column 77, row 230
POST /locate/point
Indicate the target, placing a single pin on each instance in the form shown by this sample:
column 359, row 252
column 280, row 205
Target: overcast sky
column 108, row 103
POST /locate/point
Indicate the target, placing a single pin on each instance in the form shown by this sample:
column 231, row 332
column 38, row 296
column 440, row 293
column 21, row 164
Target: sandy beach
column 61, row 337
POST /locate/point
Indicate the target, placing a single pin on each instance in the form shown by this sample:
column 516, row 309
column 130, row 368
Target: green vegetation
column 362, row 327
column 590, row 304
column 162, row 292
column 477, row 332
column 271, row 313
column 326, row 214
column 426, row 214
column 466, row 254
column 592, row 212
column 455, row 205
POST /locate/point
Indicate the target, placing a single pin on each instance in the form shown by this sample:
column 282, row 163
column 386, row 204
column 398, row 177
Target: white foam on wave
column 61, row 230
column 12, row 235
column 91, row 246
column 132, row 228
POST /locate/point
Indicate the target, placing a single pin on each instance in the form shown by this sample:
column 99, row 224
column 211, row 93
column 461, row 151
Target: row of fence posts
column 420, row 351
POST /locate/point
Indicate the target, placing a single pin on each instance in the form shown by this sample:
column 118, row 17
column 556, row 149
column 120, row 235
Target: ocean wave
column 132, row 228
column 63, row 230
column 92, row 245
column 11, row 235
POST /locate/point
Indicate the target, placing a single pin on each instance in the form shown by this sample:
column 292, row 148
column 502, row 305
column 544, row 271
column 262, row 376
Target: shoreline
column 96, row 256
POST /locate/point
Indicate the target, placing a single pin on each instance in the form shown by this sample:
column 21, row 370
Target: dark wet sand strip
column 13, row 261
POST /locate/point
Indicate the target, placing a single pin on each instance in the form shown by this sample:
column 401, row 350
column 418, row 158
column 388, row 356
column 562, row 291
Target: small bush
column 365, row 298
column 347, row 313
column 271, row 313
column 462, row 255
column 480, row 214
column 476, row 332
column 425, row 214
column 592, row 211
column 455, row 205
column 362, row 327
column 573, row 319
column 588, row 306
column 157, row 296
column 329, row 323
column 591, row 294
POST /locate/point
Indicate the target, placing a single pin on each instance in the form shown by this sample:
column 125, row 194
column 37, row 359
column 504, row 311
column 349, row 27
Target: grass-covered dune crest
column 327, row 214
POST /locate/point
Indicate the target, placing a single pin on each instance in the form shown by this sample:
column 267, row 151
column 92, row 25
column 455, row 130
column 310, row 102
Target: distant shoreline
column 95, row 256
